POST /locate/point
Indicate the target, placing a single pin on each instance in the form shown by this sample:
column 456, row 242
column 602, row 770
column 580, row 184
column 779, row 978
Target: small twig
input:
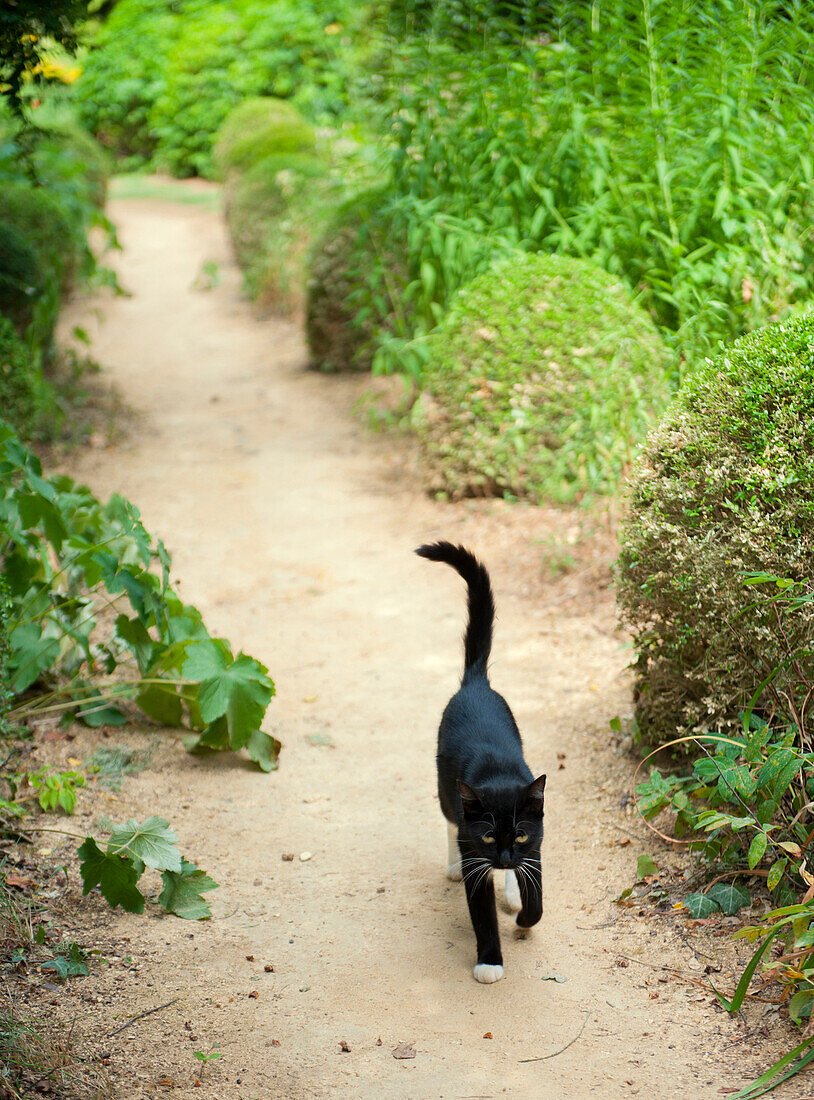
column 734, row 874
column 141, row 1016
column 695, row 981
column 560, row 1051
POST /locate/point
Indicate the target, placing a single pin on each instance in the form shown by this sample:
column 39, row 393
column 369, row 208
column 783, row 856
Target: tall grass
column 669, row 142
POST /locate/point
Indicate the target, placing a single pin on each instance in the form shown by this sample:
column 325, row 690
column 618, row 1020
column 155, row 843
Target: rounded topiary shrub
column 723, row 489
column 47, row 227
column 540, row 382
column 260, row 128
column 264, row 194
column 21, row 277
column 357, row 250
column 270, row 211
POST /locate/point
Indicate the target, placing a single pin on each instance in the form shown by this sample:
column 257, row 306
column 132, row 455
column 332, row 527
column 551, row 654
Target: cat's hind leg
column 454, row 870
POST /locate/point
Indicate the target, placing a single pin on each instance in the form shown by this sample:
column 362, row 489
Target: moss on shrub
column 21, row 277
column 725, row 486
column 260, row 128
column 341, row 323
column 540, row 382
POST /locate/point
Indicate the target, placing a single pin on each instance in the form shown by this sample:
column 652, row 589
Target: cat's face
column 503, row 826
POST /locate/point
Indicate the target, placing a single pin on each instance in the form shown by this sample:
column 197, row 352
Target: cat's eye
column 521, row 838
column 488, row 839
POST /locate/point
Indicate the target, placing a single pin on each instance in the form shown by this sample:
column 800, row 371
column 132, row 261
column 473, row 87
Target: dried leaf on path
column 22, row 882
column 404, row 1050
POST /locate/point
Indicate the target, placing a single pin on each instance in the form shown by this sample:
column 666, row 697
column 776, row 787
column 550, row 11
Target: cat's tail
column 478, row 637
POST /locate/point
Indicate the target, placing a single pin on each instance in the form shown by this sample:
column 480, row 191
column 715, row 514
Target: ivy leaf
column 152, row 842
column 94, row 715
column 114, row 875
column 182, row 892
column 700, row 906
column 729, row 898
column 263, row 750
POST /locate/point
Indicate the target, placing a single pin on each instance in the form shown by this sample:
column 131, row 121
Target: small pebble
column 305, row 856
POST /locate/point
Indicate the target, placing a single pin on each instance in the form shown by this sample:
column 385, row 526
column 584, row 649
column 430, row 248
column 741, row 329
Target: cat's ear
column 534, row 794
column 469, row 798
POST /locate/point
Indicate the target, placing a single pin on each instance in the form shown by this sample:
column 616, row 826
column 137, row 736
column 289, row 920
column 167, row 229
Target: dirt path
column 293, row 533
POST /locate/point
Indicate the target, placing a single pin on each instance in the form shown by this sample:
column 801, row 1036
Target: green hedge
column 260, row 128
column 47, row 226
column 724, row 489
column 22, row 280
column 20, row 382
column 540, row 382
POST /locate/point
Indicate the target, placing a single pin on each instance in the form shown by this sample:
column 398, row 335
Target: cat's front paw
column 486, row 973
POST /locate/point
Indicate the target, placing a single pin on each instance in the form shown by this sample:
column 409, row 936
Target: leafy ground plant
column 131, row 849
column 72, row 564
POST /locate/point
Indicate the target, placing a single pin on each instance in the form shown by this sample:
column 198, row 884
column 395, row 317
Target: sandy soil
column 293, row 531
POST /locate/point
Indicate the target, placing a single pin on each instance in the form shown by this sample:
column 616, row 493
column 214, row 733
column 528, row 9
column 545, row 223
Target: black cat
column 490, row 798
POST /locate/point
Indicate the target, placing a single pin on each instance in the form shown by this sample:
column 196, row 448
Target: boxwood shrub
column 260, row 128
column 540, row 382
column 724, row 489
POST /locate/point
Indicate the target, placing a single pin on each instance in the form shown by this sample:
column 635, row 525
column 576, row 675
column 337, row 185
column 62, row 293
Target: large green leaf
column 264, row 750
column 114, row 875
column 182, row 892
column 32, row 653
column 152, row 842
column 238, row 688
column 163, row 704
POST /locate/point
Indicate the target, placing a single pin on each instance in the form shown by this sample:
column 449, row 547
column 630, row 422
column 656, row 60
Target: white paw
column 454, row 872
column 513, row 893
column 485, row 973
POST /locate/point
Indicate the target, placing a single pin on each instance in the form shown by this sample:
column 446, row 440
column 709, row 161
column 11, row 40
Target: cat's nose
column 505, row 858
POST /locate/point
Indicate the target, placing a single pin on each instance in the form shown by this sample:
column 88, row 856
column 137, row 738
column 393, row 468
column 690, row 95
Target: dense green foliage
column 540, row 382
column 667, row 144
column 20, row 382
column 52, row 184
column 163, row 76
column 341, row 302
column 46, row 225
column 724, row 492
column 22, row 280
